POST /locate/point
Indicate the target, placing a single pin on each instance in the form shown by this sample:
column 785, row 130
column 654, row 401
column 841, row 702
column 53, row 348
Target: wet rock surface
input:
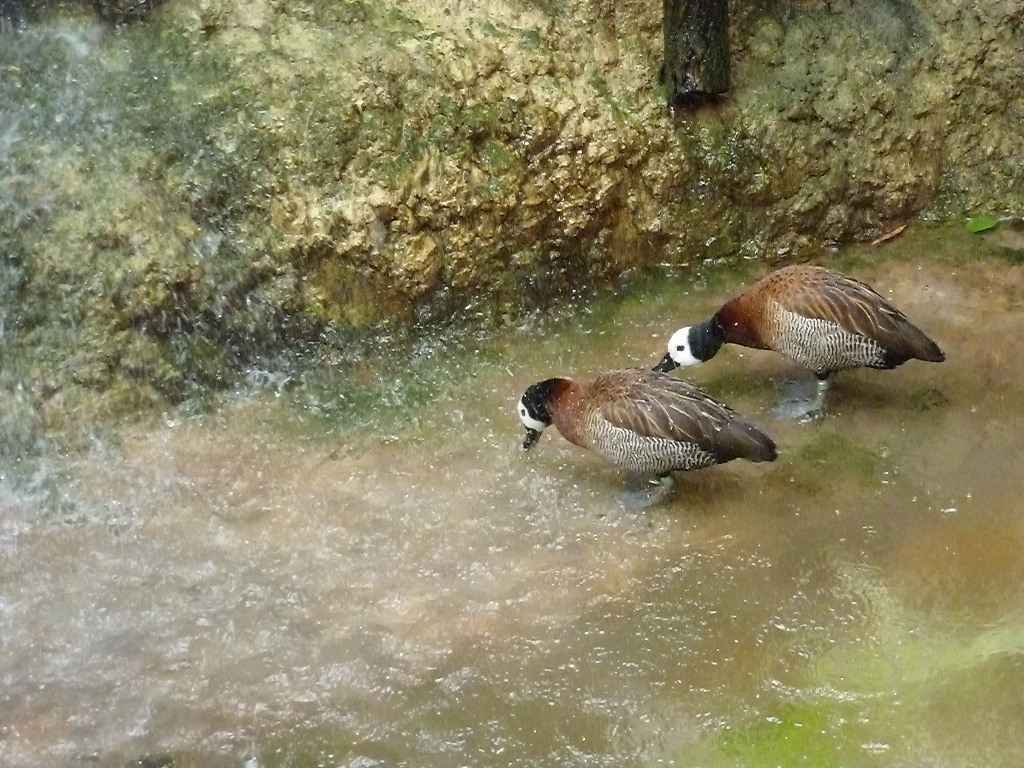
column 199, row 194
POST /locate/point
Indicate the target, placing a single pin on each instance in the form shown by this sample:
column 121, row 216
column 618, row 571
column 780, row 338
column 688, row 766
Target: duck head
column 691, row 345
column 535, row 410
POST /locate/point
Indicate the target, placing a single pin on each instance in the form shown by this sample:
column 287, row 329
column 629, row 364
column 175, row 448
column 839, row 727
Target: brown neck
column 740, row 324
column 567, row 409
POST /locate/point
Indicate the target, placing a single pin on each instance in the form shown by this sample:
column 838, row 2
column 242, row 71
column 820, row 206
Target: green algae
column 832, row 448
column 818, row 732
column 734, row 383
column 861, row 702
column 926, row 399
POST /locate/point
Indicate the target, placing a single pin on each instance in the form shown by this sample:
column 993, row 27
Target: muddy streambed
column 368, row 572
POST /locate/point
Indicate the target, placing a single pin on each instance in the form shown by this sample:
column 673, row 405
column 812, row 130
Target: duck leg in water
column 645, row 492
column 800, row 404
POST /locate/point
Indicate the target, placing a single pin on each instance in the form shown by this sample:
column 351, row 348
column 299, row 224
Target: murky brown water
column 259, row 587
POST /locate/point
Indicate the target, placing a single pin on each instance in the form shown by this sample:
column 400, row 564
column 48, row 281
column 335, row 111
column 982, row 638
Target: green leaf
column 980, row 223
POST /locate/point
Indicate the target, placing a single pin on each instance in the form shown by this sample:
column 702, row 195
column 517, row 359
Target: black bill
column 667, row 364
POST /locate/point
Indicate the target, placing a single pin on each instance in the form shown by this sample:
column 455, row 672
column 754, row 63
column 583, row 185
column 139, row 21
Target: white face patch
column 679, row 348
column 528, row 421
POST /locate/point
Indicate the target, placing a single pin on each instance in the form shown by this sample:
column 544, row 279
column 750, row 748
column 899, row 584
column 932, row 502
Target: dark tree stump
column 696, row 64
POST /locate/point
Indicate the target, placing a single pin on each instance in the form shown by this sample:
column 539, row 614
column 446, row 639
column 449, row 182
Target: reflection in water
column 269, row 585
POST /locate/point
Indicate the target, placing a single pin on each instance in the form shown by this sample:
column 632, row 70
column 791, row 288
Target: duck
column 819, row 318
column 646, row 422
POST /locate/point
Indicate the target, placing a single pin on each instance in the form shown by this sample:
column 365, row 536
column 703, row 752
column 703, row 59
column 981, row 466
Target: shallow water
column 293, row 581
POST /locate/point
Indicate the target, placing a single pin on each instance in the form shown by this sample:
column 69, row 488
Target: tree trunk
column 696, row 63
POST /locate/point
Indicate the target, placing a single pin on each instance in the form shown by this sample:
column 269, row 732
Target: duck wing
column 825, row 294
column 656, row 405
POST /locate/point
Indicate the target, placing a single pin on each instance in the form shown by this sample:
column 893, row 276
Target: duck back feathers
column 825, row 321
column 650, row 423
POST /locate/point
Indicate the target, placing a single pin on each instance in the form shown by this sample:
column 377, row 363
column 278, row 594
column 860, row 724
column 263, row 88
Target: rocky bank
column 219, row 183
